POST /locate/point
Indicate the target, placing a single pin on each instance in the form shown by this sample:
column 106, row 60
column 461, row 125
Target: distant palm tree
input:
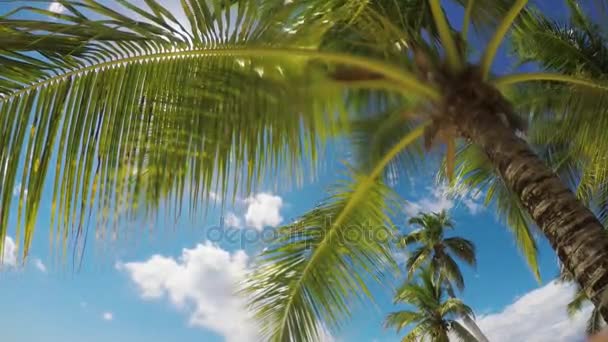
column 432, row 248
column 434, row 315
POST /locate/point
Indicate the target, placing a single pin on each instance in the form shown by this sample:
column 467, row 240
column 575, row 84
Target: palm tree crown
column 432, row 248
column 434, row 315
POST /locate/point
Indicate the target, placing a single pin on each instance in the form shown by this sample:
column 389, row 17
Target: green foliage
column 474, row 171
column 434, row 250
column 432, row 315
column 315, row 267
column 138, row 112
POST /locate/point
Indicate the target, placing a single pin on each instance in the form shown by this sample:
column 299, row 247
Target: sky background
column 173, row 280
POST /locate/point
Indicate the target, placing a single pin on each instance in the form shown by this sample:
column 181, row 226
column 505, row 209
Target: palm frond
column 400, row 319
column 576, row 304
column 595, row 323
column 418, row 333
column 417, row 259
column 560, row 47
column 454, row 307
column 462, row 248
column 475, row 172
column 497, row 38
column 449, row 270
column 314, row 268
column 129, row 113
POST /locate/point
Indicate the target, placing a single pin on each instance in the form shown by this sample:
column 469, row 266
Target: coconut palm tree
column 434, row 315
column 433, row 249
column 136, row 109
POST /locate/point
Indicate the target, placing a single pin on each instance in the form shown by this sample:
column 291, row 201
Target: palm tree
column 434, row 316
column 132, row 111
column 435, row 250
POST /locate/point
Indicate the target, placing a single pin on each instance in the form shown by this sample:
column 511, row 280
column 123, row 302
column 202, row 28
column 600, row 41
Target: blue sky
column 173, row 282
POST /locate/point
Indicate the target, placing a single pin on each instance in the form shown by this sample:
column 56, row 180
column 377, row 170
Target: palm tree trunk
column 579, row 239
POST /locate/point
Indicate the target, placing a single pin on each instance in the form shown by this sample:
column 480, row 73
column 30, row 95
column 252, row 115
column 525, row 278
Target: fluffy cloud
column 39, row 265
column 202, row 282
column 538, row 316
column 232, row 221
column 9, row 257
column 56, row 7
column 263, row 210
column 107, row 316
column 442, row 198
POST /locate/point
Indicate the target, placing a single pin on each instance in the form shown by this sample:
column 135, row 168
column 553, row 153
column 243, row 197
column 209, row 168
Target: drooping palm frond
column 401, row 319
column 565, row 119
column 374, row 136
column 576, row 304
column 316, row 267
column 126, row 113
column 462, row 248
column 475, row 172
column 595, row 322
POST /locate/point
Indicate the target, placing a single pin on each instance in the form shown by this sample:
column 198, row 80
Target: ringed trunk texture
column 481, row 114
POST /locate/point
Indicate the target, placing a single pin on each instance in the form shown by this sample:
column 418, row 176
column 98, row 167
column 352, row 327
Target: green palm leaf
column 462, row 248
column 475, row 172
column 141, row 112
column 431, row 315
column 315, row 266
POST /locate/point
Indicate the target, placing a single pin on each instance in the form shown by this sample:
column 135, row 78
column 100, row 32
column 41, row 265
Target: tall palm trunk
column 579, row 239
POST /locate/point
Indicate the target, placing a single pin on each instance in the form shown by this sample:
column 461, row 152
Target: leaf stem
column 541, row 76
column 501, row 31
column 405, row 80
column 445, row 34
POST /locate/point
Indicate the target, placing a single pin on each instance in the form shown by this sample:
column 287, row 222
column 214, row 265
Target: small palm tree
column 432, row 248
column 434, row 315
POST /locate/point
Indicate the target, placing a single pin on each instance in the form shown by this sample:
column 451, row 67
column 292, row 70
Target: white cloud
column 443, row 198
column 263, row 210
column 9, row 257
column 40, row 265
column 107, row 316
column 56, row 7
column 232, row 221
column 202, row 282
column 537, row 316
column 438, row 201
